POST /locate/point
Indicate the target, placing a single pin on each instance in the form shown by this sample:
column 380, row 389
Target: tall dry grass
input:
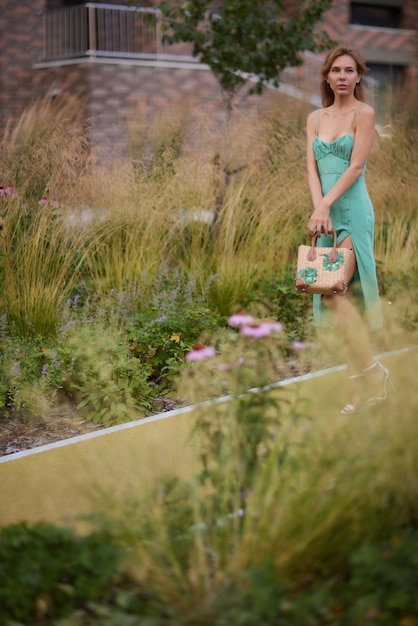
column 46, row 150
column 38, row 268
column 43, row 155
column 132, row 219
column 393, row 187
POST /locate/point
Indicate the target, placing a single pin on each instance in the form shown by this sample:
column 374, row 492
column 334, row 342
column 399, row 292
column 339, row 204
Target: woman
column 339, row 141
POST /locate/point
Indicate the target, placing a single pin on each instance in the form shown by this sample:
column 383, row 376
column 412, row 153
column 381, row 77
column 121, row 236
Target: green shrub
column 48, row 575
column 109, row 383
column 382, row 583
column 167, row 328
column 278, row 296
column 30, row 371
column 47, row 571
column 378, row 588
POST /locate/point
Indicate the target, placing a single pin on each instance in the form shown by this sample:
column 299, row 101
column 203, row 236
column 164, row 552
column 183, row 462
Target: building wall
column 113, row 94
column 410, row 20
column 20, row 45
column 110, row 92
column 378, row 45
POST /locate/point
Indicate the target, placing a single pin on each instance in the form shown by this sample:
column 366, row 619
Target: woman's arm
column 363, row 142
column 314, row 182
column 313, row 177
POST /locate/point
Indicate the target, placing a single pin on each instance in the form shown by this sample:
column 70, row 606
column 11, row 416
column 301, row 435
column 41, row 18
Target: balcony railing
column 102, row 30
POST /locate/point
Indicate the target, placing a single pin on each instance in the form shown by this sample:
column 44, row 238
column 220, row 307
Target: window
column 60, row 4
column 386, row 74
column 383, row 15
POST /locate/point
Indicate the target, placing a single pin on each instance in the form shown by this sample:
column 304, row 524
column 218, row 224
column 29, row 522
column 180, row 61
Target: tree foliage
column 246, row 39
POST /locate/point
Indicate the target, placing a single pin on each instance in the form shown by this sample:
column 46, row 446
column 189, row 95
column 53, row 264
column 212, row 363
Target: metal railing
column 97, row 29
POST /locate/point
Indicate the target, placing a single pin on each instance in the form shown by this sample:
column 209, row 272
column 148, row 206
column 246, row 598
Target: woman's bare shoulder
column 312, row 118
column 365, row 111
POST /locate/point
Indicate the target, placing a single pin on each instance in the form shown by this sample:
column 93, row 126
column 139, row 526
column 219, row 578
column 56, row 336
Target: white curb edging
column 187, row 409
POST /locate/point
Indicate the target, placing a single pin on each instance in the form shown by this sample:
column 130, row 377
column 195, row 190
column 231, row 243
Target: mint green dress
column 351, row 215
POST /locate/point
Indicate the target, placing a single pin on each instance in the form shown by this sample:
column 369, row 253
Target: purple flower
column 240, row 319
column 200, row 352
column 256, row 331
column 261, row 329
column 8, row 191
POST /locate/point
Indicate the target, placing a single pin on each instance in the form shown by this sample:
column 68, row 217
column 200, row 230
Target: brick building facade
column 49, row 47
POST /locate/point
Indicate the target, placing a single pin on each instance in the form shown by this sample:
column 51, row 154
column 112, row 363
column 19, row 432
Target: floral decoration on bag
column 331, row 266
column 308, row 274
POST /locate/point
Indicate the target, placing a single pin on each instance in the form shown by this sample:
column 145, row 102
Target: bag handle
column 333, row 256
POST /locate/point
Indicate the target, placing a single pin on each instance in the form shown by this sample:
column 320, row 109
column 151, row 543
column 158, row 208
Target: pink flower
column 256, row 331
column 301, row 345
column 262, row 329
column 11, row 191
column 240, row 319
column 200, row 352
column 276, row 327
column 43, row 201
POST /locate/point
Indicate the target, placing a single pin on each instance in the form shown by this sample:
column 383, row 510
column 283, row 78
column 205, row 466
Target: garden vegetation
column 114, row 281
column 110, row 273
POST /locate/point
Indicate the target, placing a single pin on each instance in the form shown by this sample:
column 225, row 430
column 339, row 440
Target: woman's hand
column 320, row 221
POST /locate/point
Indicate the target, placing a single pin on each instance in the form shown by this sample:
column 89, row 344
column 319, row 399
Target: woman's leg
column 352, row 330
column 355, row 338
column 356, row 344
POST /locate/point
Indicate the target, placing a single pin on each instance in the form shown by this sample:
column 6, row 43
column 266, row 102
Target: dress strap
column 354, row 117
column 317, row 122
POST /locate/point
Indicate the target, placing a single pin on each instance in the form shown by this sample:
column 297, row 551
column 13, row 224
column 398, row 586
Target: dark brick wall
column 336, row 20
column 20, row 45
column 64, row 81
column 112, row 94
column 410, row 20
column 410, row 14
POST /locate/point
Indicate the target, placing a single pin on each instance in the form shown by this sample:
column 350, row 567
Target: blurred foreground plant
column 189, row 531
column 271, row 491
column 281, row 517
column 46, row 572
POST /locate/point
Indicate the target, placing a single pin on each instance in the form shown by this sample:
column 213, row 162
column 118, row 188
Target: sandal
column 351, row 409
column 373, row 400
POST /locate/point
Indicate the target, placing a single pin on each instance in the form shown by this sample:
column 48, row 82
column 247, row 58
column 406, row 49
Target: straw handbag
column 326, row 271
